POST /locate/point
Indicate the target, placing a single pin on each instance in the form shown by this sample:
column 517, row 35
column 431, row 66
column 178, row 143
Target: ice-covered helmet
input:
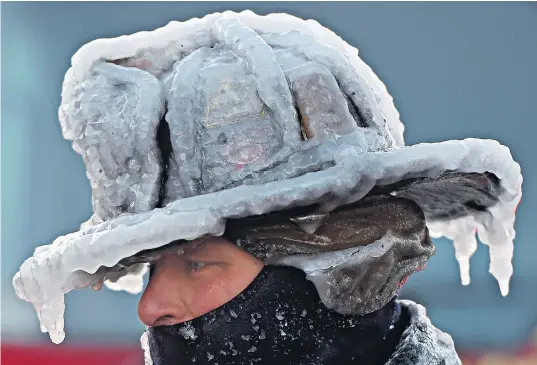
column 272, row 131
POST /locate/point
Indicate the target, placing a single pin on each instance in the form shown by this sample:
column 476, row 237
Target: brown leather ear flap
column 293, row 231
column 358, row 256
column 450, row 195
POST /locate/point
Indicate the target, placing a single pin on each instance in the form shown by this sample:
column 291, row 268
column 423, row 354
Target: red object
column 402, row 282
column 70, row 355
column 525, row 355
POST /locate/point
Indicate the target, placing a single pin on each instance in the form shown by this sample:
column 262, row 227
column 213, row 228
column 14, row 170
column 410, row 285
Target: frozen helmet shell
column 236, row 111
column 262, row 114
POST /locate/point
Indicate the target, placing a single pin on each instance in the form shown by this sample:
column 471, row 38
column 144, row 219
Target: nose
column 161, row 303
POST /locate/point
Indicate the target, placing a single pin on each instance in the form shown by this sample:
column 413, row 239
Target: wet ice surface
column 111, row 113
column 112, row 118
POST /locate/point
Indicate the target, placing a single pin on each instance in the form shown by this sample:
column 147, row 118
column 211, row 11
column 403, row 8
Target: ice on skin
column 347, row 167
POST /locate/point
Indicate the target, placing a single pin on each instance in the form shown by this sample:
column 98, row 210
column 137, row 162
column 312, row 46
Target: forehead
column 203, row 246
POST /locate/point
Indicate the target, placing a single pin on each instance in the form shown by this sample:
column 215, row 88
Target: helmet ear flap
column 368, row 248
column 452, row 195
column 303, row 230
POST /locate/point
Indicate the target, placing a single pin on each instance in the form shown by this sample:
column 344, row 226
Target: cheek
column 216, row 289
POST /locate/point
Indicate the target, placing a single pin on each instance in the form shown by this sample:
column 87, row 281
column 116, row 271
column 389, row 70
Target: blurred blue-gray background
column 455, row 70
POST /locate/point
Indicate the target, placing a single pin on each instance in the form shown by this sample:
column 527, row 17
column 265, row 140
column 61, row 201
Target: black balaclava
column 279, row 320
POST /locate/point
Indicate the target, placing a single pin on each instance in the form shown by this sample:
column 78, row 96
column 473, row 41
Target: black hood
column 279, row 319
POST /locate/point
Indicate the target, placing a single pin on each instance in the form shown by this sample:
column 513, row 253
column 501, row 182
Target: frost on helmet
column 202, row 123
column 112, row 118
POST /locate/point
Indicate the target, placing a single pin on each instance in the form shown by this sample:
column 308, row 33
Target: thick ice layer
column 231, row 115
column 48, row 275
column 218, row 123
column 329, row 115
column 156, row 52
column 112, row 118
column 349, row 79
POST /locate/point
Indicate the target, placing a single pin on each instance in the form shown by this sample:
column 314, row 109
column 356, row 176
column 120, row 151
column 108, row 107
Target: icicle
column 465, row 246
column 462, row 233
column 496, row 234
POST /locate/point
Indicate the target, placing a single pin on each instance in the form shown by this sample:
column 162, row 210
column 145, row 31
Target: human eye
column 194, row 266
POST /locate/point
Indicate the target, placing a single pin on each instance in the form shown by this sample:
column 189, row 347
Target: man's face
column 188, row 285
